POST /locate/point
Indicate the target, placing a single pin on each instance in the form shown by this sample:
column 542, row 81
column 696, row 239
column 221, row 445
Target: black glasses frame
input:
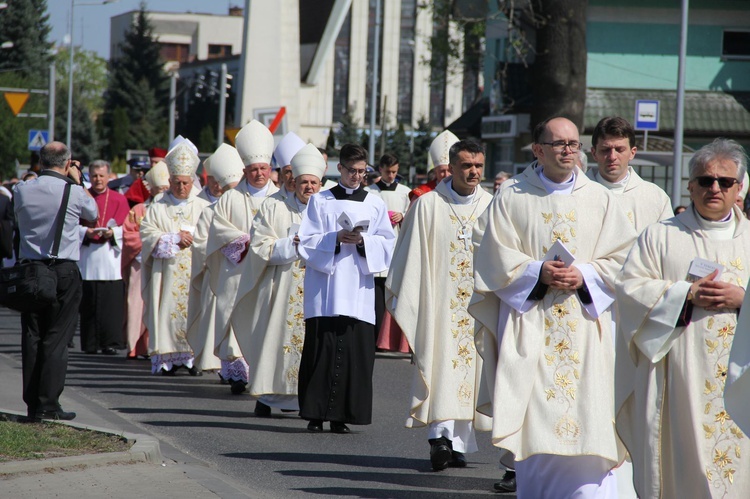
column 724, row 182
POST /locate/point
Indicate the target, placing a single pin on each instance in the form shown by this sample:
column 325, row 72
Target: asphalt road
column 276, row 456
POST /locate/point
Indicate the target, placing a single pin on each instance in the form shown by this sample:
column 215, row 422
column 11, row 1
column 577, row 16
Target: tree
column 138, row 85
column 422, row 141
column 398, row 144
column 349, row 130
column 331, row 150
column 26, row 24
column 203, row 110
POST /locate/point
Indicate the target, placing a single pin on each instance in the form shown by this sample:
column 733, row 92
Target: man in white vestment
column 345, row 238
column 544, row 282
column 435, row 252
column 212, row 190
column 167, row 235
column 679, row 293
column 229, row 238
column 283, row 154
column 396, row 199
column 270, row 298
column 613, row 147
column 227, row 170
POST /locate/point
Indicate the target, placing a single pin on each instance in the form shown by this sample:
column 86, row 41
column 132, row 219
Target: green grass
column 22, row 441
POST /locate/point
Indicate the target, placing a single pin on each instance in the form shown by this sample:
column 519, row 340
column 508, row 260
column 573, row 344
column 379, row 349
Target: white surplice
column 670, row 379
column 428, row 289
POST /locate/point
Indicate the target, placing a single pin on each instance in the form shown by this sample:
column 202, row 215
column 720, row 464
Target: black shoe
column 507, row 483
column 261, row 409
column 56, row 415
column 169, row 372
column 337, row 427
column 440, row 453
column 109, row 351
column 458, row 460
column 194, row 371
column 239, row 387
column 315, row 426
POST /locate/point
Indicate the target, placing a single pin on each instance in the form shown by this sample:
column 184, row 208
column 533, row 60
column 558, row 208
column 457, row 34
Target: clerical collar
column 255, row 192
column 175, row 201
column 387, row 187
column 341, row 193
column 300, row 205
column 565, row 187
column 458, row 198
column 719, row 230
column 211, row 197
column 614, row 186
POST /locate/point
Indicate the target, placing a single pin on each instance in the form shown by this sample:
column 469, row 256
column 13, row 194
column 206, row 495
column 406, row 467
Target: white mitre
column 254, row 143
column 308, row 161
column 158, row 175
column 207, row 166
column 226, row 165
column 441, row 146
column 182, row 160
column 182, row 140
column 287, row 148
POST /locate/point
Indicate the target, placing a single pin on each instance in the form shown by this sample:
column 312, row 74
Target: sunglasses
column 724, row 182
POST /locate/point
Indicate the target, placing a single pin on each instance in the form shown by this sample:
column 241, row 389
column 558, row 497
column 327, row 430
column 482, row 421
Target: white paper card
column 558, row 251
column 293, row 230
column 347, row 223
column 188, row 228
column 700, row 267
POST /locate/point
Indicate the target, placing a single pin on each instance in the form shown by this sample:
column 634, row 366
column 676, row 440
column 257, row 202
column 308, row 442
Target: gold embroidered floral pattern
column 723, row 436
column 462, row 324
column 295, row 331
column 563, row 228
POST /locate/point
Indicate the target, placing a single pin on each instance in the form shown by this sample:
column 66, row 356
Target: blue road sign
column 38, row 139
column 647, row 115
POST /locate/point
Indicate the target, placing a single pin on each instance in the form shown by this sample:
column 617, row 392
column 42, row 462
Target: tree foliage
column 398, row 143
column 139, row 87
column 202, row 111
column 423, row 137
column 348, row 131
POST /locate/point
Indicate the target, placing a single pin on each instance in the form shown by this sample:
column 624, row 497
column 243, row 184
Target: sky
column 91, row 23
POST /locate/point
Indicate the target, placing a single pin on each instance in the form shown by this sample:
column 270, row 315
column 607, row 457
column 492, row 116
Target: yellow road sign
column 16, row 101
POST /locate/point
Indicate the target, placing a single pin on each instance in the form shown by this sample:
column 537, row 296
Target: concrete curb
column 145, row 448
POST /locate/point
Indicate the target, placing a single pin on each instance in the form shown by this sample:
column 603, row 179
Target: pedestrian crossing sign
column 38, row 139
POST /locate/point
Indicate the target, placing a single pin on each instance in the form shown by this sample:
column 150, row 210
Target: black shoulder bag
column 31, row 285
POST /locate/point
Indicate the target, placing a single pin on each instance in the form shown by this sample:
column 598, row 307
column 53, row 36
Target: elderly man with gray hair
column 679, row 294
column 45, row 335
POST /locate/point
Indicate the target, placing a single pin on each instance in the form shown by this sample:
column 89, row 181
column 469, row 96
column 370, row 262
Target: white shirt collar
column 553, row 187
column 459, row 199
column 255, row 192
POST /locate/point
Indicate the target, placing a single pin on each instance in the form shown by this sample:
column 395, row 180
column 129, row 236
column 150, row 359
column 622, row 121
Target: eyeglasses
column 354, row 172
column 724, row 182
column 560, row 145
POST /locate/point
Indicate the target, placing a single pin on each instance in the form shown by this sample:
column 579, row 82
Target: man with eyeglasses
column 679, row 294
column 613, row 147
column 345, row 238
column 544, row 321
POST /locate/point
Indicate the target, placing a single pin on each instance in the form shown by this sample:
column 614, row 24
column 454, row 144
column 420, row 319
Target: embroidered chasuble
column 166, row 280
column 548, row 377
column 644, row 202
column 235, row 211
column 201, row 331
column 269, row 308
column 670, row 378
column 428, row 289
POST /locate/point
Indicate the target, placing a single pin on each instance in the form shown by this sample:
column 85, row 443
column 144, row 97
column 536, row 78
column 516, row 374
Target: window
column 217, row 51
column 179, row 52
column 735, row 45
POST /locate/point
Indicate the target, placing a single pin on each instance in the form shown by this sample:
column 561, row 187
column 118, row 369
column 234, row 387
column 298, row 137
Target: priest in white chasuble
column 270, row 306
column 167, row 237
column 229, row 237
column 227, row 171
column 396, row 198
column 544, row 321
column 679, row 293
column 435, row 252
column 346, row 239
column 285, row 150
column 613, row 147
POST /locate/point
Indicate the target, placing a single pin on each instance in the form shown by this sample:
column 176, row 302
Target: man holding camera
column 46, row 334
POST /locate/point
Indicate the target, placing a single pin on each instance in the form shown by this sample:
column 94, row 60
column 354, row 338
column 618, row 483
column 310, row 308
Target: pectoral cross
column 466, row 238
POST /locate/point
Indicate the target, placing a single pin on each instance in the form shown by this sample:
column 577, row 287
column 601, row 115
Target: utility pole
column 222, row 105
column 374, row 89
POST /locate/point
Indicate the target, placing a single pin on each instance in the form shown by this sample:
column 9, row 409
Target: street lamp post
column 73, row 4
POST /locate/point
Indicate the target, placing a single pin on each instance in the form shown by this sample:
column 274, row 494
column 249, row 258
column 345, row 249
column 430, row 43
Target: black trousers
column 102, row 314
column 44, row 342
column 379, row 305
column 335, row 372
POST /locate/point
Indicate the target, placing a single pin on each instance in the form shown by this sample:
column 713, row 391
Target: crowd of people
column 570, row 312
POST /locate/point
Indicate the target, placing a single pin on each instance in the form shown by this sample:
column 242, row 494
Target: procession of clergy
column 570, row 313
